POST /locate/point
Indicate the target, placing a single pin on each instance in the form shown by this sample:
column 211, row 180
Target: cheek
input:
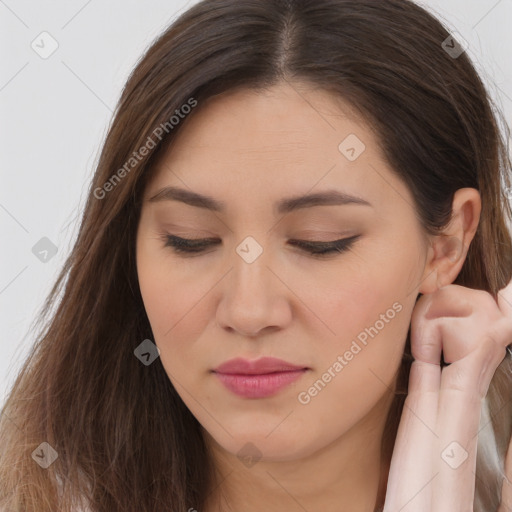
column 171, row 308
column 370, row 332
column 175, row 307
column 166, row 294
column 358, row 367
column 352, row 301
column 368, row 312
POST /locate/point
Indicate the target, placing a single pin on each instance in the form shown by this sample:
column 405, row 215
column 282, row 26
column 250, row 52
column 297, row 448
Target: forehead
column 285, row 140
column 276, row 120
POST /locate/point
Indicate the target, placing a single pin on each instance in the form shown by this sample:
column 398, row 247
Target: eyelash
column 317, row 249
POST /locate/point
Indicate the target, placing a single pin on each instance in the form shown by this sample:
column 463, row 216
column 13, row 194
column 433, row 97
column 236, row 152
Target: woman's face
column 254, row 293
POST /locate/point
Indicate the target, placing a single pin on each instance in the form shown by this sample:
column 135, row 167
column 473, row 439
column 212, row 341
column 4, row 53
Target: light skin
column 250, row 150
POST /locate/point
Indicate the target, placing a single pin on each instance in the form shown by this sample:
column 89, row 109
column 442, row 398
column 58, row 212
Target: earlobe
column 446, row 257
column 447, row 251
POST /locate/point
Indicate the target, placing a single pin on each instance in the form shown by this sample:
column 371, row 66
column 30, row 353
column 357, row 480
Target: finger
column 473, row 357
column 411, row 470
column 451, row 301
column 457, row 427
column 426, row 343
column 460, row 337
column 463, row 386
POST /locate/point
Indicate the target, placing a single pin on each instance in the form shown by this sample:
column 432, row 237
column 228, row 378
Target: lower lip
column 259, row 386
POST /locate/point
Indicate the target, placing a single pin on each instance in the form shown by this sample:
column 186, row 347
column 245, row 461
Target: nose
column 255, row 298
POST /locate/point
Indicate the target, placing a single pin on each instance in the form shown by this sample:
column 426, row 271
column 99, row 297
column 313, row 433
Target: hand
column 434, row 458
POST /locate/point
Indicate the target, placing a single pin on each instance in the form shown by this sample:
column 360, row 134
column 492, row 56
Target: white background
column 54, row 113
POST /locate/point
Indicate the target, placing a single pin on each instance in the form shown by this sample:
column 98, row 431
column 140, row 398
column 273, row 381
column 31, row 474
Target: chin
column 251, row 444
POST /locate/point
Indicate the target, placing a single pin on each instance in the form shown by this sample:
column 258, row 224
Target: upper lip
column 257, row 367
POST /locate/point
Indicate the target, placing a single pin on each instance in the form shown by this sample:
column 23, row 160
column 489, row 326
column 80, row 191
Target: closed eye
column 198, row 245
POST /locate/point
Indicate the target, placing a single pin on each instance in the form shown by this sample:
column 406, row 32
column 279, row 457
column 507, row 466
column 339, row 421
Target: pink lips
column 258, row 379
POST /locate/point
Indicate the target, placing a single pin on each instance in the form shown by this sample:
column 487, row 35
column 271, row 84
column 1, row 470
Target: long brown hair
column 124, row 438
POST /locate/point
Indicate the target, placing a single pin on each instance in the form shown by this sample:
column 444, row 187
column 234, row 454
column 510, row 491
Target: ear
column 447, row 251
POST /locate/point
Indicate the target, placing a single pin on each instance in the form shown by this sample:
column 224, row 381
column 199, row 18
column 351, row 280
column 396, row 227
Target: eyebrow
column 325, row 198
